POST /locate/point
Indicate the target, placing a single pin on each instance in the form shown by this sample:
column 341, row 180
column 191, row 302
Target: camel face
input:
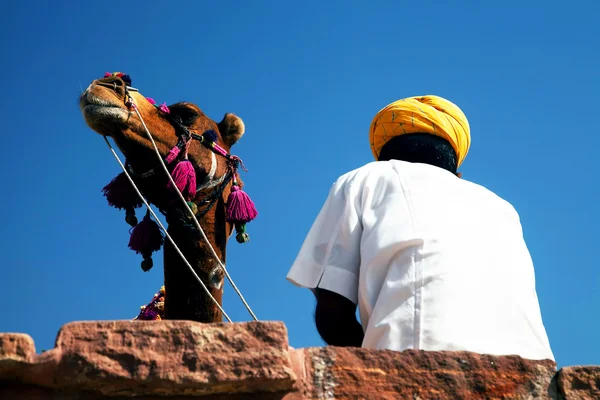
column 105, row 108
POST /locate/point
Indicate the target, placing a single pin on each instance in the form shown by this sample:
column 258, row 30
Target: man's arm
column 335, row 317
column 329, row 264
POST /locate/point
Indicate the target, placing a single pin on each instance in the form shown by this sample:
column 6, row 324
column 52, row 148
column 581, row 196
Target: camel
column 196, row 151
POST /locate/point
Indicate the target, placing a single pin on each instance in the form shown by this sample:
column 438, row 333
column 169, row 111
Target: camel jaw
column 105, row 116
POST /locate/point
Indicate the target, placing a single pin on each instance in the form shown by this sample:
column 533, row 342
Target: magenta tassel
column 173, row 153
column 120, row 194
column 240, row 208
column 146, row 237
column 184, row 176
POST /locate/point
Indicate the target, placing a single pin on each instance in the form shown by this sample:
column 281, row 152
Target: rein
column 167, row 233
column 240, row 208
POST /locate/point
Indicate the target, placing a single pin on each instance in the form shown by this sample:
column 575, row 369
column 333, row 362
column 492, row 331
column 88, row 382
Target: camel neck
column 185, row 298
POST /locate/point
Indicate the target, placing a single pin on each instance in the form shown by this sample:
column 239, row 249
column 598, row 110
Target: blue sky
column 307, row 79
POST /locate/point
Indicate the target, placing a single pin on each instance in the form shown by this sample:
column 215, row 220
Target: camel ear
column 231, row 128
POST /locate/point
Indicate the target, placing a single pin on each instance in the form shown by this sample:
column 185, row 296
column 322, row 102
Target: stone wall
column 170, row 360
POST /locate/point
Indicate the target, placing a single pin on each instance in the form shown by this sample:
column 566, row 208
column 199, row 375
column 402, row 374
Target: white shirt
column 434, row 262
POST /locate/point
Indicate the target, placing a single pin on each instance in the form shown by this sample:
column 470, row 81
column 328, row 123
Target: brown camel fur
column 105, row 111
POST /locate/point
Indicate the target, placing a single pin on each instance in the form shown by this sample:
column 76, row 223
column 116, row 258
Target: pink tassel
column 120, row 194
column 146, row 237
column 184, row 176
column 240, row 208
column 173, row 153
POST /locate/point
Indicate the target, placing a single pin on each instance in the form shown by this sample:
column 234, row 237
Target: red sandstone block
column 182, row 360
column 16, row 347
column 371, row 374
column 16, row 352
column 579, row 383
column 124, row 358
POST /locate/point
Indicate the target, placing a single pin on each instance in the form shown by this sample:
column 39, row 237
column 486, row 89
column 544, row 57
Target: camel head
column 195, row 150
column 106, row 108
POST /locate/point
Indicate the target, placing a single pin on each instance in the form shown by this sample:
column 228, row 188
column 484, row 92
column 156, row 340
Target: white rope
column 191, row 212
column 165, row 231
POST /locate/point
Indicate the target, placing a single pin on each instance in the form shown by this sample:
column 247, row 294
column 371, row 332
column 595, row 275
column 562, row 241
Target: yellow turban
column 421, row 114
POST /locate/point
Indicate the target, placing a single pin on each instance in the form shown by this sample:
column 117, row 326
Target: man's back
column 441, row 263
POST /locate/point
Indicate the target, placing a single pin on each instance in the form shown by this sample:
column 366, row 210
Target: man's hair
column 421, row 148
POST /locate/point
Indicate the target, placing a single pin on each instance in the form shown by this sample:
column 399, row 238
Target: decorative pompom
column 242, row 236
column 151, row 100
column 120, row 194
column 149, row 315
column 240, row 208
column 184, row 176
column 127, row 79
column 173, row 153
column 164, row 108
column 146, row 237
column 210, row 136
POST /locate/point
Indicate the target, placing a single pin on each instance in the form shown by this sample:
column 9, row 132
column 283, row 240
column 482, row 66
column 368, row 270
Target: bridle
column 175, row 214
column 209, row 182
column 207, row 138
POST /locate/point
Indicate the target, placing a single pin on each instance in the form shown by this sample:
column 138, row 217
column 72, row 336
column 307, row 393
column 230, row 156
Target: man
column 434, row 262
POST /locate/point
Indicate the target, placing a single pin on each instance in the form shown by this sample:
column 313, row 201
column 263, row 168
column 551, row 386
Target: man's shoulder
column 483, row 194
column 372, row 169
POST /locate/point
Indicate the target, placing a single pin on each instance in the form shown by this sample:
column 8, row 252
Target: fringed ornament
column 155, row 310
column 120, row 194
column 240, row 210
column 184, row 176
column 145, row 239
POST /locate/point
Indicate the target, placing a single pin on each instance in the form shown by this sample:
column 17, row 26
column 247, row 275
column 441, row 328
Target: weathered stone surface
column 164, row 358
column 16, row 352
column 371, row 374
column 183, row 360
column 16, row 392
column 16, row 347
column 579, row 383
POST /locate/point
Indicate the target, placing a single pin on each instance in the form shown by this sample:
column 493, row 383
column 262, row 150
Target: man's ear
column 231, row 128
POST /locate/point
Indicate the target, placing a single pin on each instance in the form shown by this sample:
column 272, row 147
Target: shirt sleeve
column 330, row 255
